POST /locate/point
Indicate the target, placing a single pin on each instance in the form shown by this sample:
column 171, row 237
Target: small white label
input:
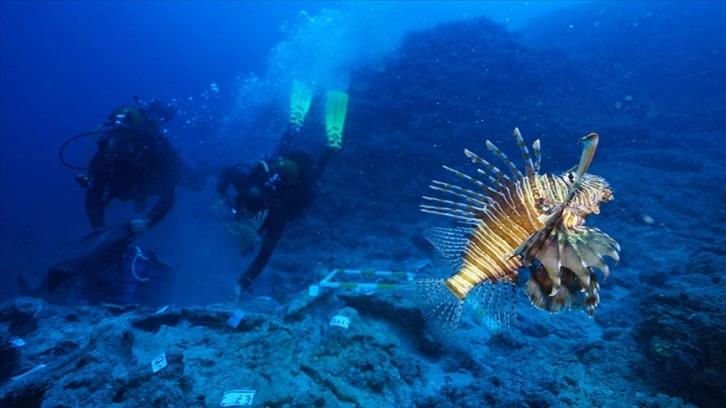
column 341, row 321
column 158, row 363
column 17, row 342
column 314, row 290
column 236, row 318
column 238, row 398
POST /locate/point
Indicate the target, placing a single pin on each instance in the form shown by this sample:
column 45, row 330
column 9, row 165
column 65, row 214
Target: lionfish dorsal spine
column 536, row 148
column 528, row 165
column 487, row 191
column 469, row 196
column 470, row 179
column 450, row 209
column 500, row 182
column 516, row 174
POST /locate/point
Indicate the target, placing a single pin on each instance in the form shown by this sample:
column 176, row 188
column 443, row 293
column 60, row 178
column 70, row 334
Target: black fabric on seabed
column 96, row 251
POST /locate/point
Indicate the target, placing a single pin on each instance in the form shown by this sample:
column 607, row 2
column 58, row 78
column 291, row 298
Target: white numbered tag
column 17, row 342
column 341, row 321
column 158, row 363
column 238, row 398
column 236, row 318
column 313, row 290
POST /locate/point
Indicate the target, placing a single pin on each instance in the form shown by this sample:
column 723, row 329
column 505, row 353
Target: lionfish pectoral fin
column 570, row 296
column 589, row 145
column 585, row 248
column 566, row 269
column 539, row 288
column 547, row 244
column 440, row 307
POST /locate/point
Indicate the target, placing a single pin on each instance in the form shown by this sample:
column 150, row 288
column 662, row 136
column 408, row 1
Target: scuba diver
column 278, row 189
column 134, row 161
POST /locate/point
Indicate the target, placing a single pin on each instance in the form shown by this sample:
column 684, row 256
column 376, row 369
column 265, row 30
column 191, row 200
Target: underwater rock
column 22, row 315
column 9, row 356
column 396, row 308
column 301, row 304
column 217, row 316
column 683, row 335
column 153, row 321
column 112, row 339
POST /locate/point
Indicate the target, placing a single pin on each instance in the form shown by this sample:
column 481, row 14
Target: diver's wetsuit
column 154, row 172
column 259, row 188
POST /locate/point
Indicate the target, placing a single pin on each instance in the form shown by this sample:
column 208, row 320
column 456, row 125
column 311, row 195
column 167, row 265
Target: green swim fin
column 300, row 100
column 335, row 111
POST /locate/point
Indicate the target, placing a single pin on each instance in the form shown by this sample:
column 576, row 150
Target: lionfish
column 512, row 222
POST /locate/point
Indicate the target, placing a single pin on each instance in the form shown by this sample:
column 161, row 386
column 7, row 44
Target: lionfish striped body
column 512, row 222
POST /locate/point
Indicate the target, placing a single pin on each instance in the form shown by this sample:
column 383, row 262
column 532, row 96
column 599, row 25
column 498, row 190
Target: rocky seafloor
column 658, row 338
column 291, row 356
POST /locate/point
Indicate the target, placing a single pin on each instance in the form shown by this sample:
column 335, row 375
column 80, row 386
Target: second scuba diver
column 278, row 190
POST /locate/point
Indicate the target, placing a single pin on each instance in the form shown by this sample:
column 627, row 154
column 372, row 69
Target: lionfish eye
column 571, row 177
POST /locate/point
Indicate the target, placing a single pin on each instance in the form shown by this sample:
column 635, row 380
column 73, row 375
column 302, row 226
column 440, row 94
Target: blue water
column 426, row 80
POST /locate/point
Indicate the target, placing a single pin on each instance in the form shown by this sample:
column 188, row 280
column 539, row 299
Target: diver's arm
column 272, row 236
column 163, row 206
column 94, row 203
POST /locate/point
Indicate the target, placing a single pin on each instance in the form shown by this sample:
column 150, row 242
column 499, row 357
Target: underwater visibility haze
column 362, row 204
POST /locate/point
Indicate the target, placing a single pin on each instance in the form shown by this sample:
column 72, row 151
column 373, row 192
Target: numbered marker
column 158, row 363
column 340, row 321
column 236, row 318
column 17, row 342
column 313, row 290
column 238, row 398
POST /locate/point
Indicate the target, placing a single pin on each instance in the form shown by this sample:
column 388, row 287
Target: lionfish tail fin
column 440, row 307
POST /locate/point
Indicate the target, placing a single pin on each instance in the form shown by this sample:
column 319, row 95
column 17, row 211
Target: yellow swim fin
column 300, row 100
column 335, row 111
